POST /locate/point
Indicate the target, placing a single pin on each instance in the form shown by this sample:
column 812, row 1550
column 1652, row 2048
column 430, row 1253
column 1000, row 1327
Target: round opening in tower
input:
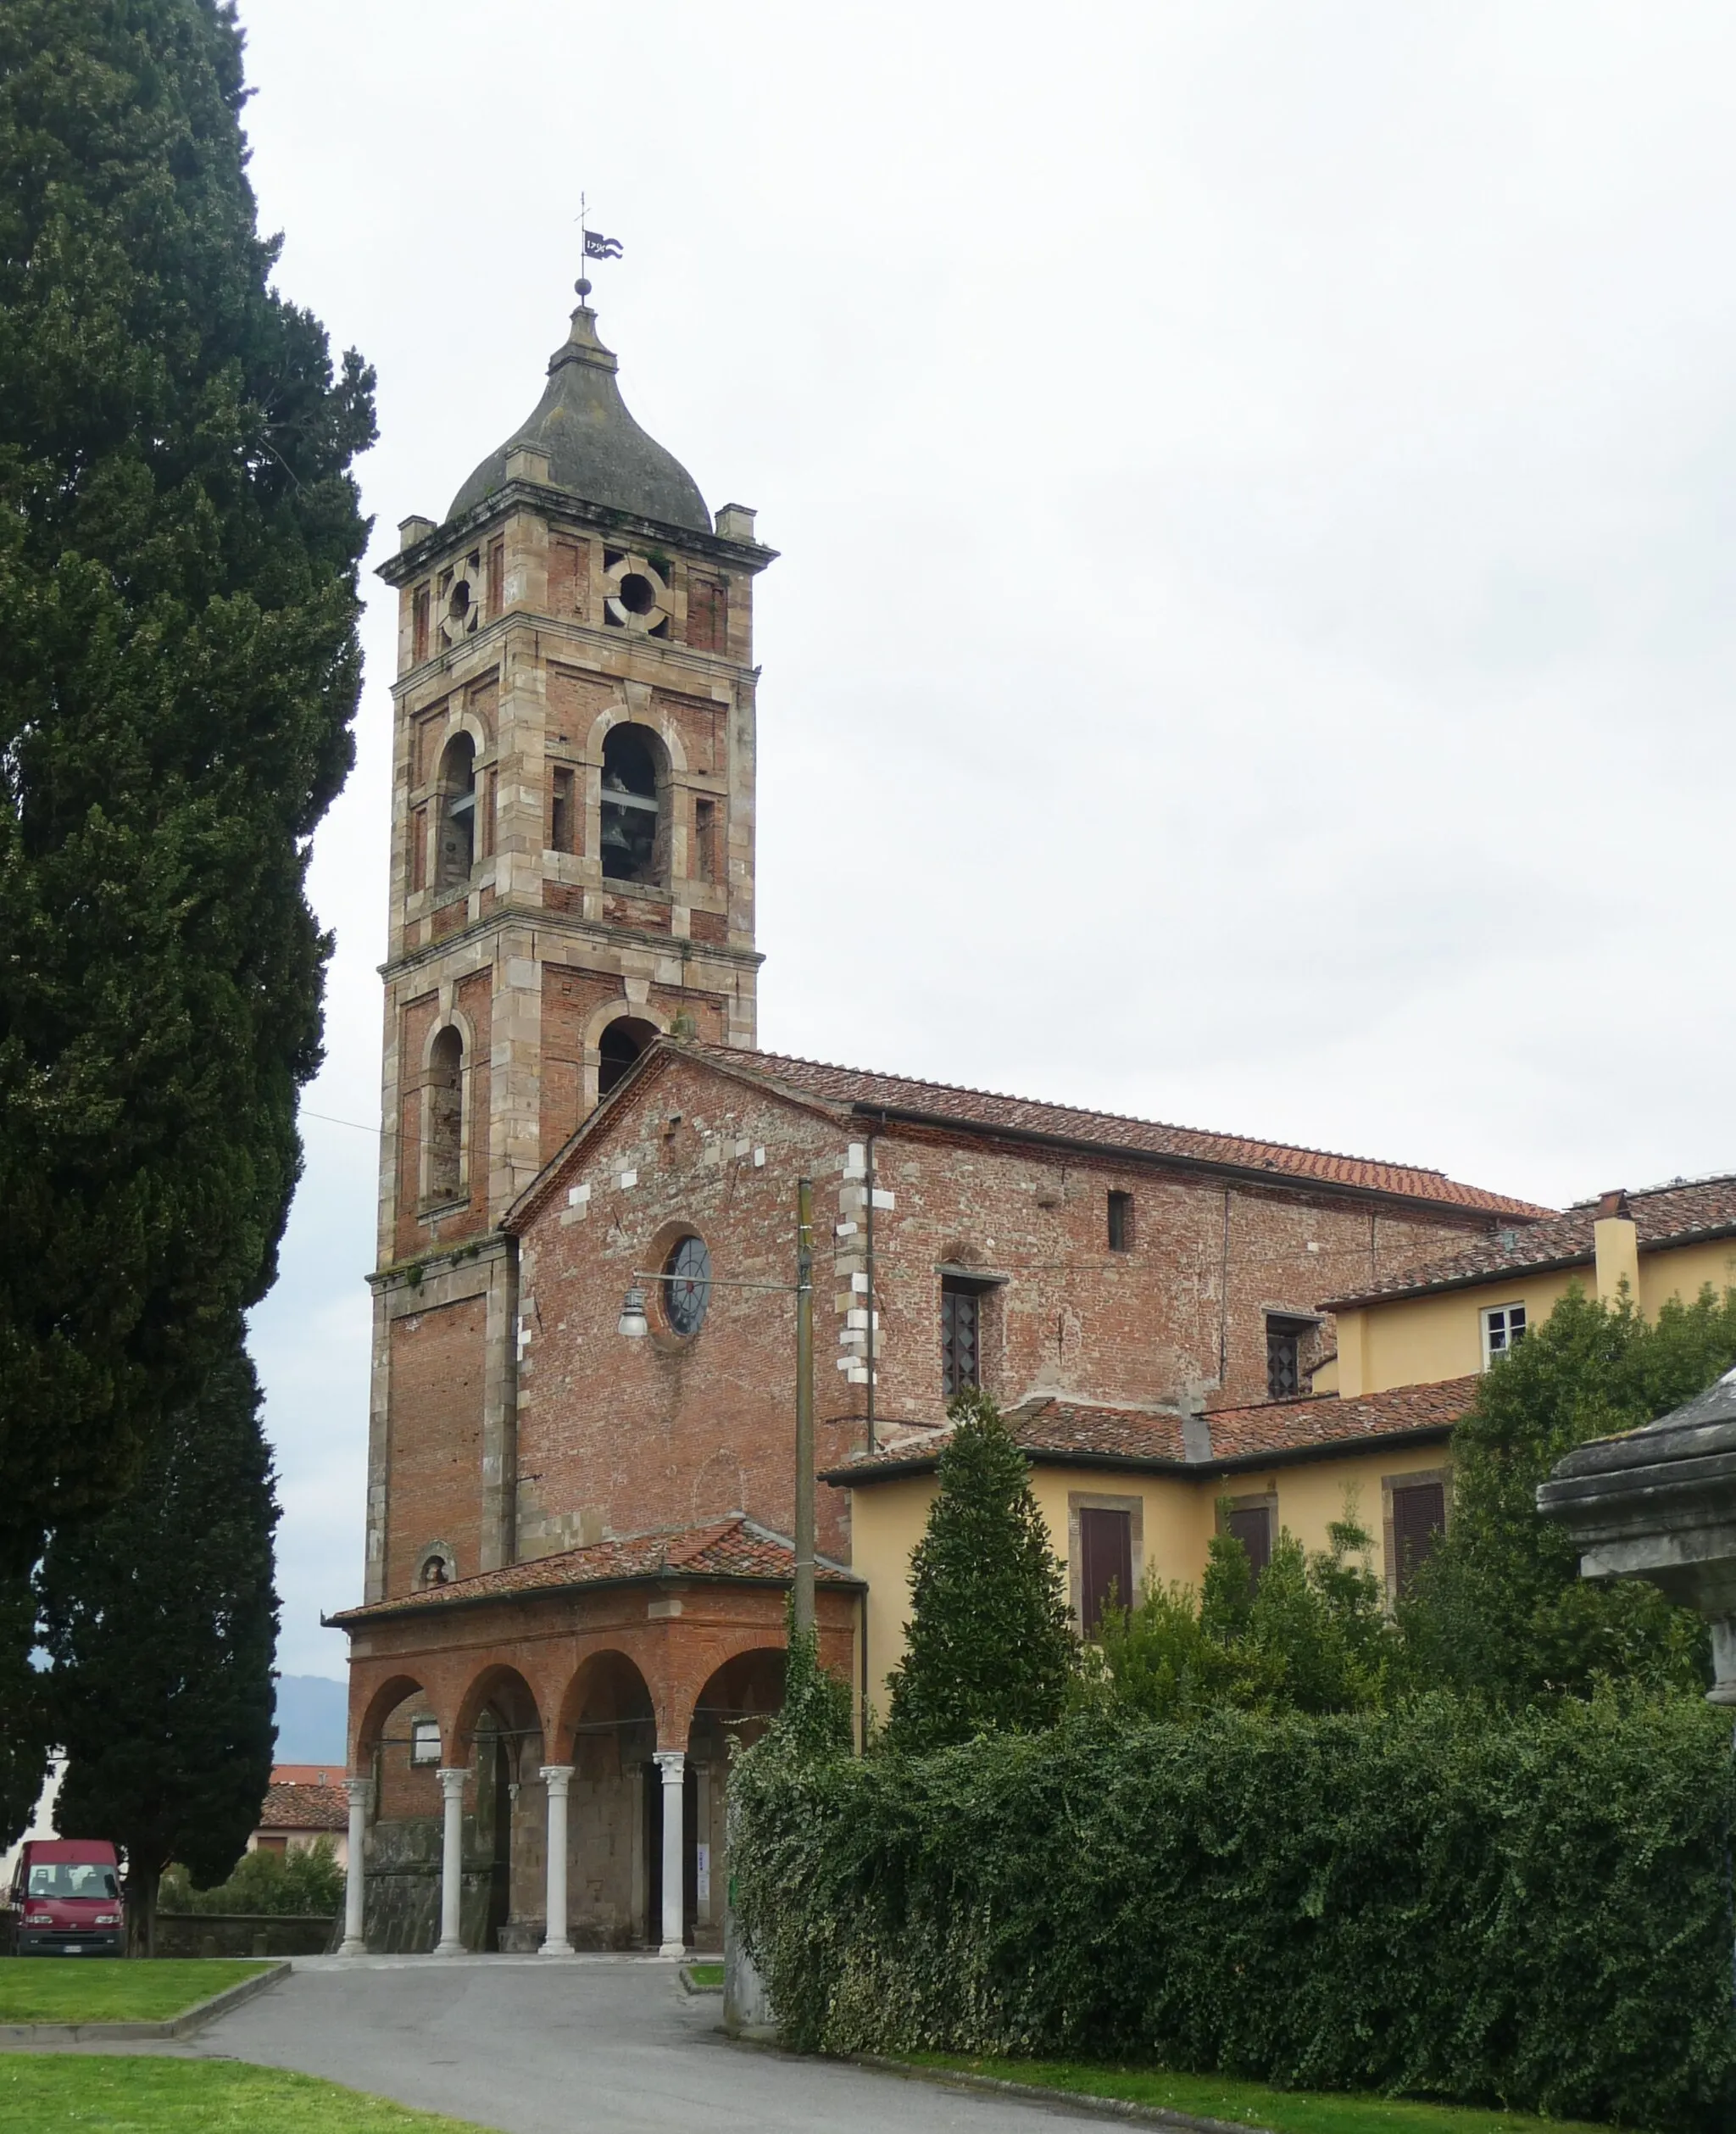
column 620, row 1045
column 637, row 593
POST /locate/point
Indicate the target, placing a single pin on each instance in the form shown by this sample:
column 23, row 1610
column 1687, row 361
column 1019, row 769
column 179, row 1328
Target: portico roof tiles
column 732, row 1548
column 1664, row 1215
column 305, row 1807
column 982, row 1111
column 1053, row 1431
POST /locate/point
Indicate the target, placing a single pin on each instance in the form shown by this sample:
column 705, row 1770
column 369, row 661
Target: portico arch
column 606, row 1732
column 738, row 1702
column 498, row 1733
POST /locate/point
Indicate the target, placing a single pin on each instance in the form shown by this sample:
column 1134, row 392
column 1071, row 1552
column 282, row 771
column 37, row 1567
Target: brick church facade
column 577, row 1552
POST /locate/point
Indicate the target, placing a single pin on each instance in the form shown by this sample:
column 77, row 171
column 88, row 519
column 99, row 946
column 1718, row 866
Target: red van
column 66, row 1899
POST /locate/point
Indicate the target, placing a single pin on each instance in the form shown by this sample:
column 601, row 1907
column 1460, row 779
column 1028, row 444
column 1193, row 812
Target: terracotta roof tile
column 1053, row 1431
column 982, row 1111
column 305, row 1808
column 1662, row 1215
column 728, row 1548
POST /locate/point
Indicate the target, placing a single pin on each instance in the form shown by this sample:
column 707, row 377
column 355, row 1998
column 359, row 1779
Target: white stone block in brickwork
column 859, row 1317
column 759, row 1159
column 882, row 1200
column 627, row 1180
column 576, row 1195
column 858, row 1283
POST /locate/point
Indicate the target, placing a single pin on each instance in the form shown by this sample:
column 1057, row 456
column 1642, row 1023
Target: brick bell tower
column 572, row 872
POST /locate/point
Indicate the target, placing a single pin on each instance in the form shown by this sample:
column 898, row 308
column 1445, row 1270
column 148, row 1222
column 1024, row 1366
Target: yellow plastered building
column 1135, row 1494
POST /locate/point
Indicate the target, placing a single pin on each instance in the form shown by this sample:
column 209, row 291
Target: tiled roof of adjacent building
column 1663, row 1214
column 1058, row 1433
column 979, row 1111
column 731, row 1548
column 305, row 1808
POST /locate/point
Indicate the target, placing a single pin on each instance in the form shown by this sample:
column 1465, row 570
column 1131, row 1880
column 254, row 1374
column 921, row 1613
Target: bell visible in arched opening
column 458, row 813
column 445, row 1117
column 621, row 1045
column 630, row 807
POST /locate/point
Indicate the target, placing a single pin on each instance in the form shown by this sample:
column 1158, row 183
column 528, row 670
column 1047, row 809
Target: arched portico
column 577, row 1714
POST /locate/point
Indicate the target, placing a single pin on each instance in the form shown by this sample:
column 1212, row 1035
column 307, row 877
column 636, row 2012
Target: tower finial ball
column 581, row 286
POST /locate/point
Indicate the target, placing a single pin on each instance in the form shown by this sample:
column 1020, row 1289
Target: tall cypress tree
column 179, row 543
column 989, row 1646
column 160, row 1620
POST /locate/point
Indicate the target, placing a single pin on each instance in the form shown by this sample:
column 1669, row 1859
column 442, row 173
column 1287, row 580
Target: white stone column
column 557, row 1777
column 355, row 1908
column 452, row 1863
column 672, row 1763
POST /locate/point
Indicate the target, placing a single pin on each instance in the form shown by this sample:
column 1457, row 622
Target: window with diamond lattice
column 1284, row 1341
column 961, row 1338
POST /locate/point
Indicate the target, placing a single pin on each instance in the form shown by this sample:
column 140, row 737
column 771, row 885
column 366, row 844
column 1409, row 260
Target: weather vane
column 594, row 246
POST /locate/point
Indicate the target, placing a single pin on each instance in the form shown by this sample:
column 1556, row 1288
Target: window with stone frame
column 560, row 810
column 1251, row 1525
column 961, row 1334
column 1106, row 1564
column 1418, row 1521
column 1120, row 1221
column 1286, row 1342
column 704, row 865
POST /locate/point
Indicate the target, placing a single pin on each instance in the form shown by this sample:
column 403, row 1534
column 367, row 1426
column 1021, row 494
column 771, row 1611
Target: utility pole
column 804, row 1406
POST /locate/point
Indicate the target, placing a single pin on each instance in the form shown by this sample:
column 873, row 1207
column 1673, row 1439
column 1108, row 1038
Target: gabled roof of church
column 859, row 1093
column 595, row 449
column 737, row 1547
column 869, row 1093
column 1055, row 1431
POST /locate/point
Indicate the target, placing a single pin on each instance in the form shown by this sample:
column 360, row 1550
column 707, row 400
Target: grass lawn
column 1219, row 2097
column 106, row 2094
column 99, row 1989
column 705, row 1973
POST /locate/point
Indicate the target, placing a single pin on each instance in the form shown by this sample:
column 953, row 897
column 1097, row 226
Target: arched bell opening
column 456, row 854
column 621, row 1043
column 443, row 1118
column 633, row 828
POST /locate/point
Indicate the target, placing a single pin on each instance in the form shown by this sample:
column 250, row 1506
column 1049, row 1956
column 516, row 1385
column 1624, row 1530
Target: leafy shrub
column 1530, row 1911
column 310, row 1883
column 989, row 1643
column 1501, row 1611
column 1312, row 1636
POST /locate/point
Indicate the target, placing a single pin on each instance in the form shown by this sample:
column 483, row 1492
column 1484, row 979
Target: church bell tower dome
column 595, row 449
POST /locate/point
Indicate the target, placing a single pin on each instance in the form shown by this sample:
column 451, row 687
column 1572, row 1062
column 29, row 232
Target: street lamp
column 635, row 1326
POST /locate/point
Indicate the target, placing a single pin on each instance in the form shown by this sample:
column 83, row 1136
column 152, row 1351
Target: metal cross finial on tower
column 593, row 245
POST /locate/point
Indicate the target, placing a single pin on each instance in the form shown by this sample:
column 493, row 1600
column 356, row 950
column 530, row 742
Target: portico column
column 452, row 1863
column 557, row 1777
column 355, row 1910
column 672, row 1763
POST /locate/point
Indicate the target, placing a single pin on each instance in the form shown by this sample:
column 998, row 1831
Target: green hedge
column 1531, row 1912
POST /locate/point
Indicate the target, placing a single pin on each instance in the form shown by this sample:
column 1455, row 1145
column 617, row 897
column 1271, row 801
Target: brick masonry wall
column 435, row 1453
column 617, row 1437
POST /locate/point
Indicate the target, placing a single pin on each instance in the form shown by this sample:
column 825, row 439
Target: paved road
column 592, row 2045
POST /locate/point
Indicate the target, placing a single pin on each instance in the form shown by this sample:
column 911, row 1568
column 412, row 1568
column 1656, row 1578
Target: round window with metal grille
column 687, row 1289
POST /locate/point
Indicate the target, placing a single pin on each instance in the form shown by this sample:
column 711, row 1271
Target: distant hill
column 311, row 1712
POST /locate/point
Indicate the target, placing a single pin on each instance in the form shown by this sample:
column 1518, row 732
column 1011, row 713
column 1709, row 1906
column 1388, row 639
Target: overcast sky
column 1253, row 644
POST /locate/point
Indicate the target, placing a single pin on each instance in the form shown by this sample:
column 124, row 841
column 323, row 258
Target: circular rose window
column 687, row 1288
